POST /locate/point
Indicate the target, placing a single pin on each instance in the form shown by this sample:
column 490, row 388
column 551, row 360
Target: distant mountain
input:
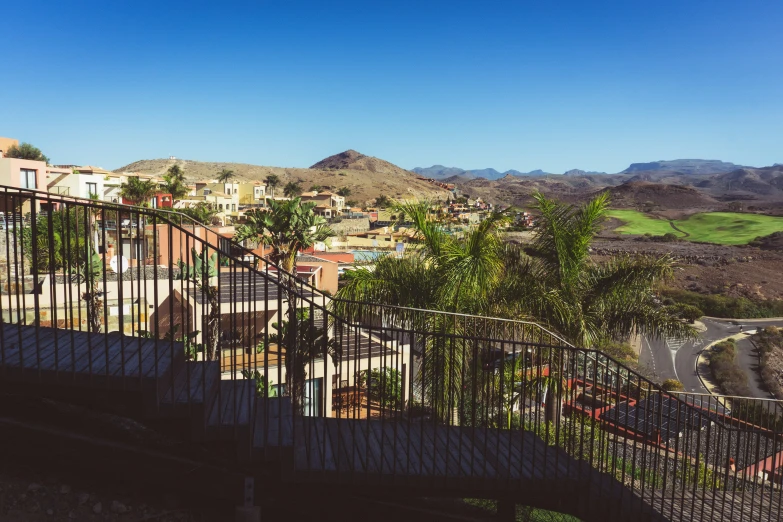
column 441, row 172
column 683, row 166
column 578, row 172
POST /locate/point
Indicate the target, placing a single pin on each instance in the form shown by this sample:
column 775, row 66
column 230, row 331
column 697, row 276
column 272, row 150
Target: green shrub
column 672, row 385
column 728, row 307
column 723, row 363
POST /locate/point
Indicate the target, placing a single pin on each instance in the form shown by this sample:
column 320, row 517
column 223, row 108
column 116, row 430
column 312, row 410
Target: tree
column 344, row 192
column 288, row 227
column 292, row 190
column 382, row 201
column 556, row 285
column 203, row 274
column 272, row 181
column 91, row 272
column 174, row 182
column 225, row 175
column 315, row 188
column 588, row 303
column 446, row 273
column 138, row 191
column 202, row 212
column 25, row 151
column 303, row 340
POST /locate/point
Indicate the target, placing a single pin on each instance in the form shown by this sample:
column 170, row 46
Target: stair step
column 234, row 404
column 273, row 423
column 194, row 383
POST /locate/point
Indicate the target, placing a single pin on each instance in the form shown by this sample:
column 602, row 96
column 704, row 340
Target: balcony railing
column 364, row 394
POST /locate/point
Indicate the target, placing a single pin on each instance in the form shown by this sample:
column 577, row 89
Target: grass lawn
column 725, row 228
column 639, row 223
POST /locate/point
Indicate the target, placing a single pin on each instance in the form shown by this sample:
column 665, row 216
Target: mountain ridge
column 681, row 166
column 368, row 177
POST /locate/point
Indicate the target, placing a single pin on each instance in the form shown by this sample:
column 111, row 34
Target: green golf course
column 724, row 228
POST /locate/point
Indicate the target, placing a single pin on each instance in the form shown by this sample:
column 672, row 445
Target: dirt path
column 671, row 223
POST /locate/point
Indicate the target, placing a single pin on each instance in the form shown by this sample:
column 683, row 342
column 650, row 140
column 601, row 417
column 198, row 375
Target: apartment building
column 81, row 182
column 252, row 194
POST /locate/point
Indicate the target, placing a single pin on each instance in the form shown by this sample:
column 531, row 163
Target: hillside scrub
column 728, row 374
column 769, row 342
column 726, row 307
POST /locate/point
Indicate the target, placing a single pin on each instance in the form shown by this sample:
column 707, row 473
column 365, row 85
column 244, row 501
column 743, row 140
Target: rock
column 118, row 507
column 97, row 508
column 32, row 488
column 83, row 498
column 65, row 489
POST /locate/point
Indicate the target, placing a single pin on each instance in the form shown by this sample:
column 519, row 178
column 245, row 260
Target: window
column 92, row 189
column 220, row 207
column 27, row 179
column 233, row 207
column 207, row 192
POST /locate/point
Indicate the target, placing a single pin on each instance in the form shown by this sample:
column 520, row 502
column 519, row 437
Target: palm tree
column 588, row 303
column 446, row 273
column 174, row 182
column 558, row 286
column 138, row 191
column 272, row 181
column 225, row 175
column 292, row 190
column 288, row 227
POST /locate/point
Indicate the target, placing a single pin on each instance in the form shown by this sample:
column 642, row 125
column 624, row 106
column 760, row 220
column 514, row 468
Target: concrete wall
column 351, row 226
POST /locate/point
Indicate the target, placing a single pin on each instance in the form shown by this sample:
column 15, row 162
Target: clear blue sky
column 523, row 85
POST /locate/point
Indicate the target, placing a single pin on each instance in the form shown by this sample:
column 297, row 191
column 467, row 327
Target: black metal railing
column 365, row 393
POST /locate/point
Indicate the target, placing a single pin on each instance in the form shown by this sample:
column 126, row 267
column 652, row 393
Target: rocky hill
column 366, row 176
column 643, row 194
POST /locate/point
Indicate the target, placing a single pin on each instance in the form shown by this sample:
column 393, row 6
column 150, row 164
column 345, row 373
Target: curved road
column 676, row 359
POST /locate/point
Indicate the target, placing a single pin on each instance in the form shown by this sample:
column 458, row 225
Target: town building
column 252, row 194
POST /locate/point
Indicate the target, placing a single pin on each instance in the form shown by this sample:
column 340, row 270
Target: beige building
column 5, row 143
column 327, row 204
column 252, row 194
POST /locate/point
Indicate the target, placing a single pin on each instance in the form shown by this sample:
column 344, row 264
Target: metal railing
column 370, row 394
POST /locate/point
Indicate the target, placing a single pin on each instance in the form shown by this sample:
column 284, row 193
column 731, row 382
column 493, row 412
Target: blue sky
column 523, row 85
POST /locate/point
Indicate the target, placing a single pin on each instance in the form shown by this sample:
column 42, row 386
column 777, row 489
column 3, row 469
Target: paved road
column 676, row 359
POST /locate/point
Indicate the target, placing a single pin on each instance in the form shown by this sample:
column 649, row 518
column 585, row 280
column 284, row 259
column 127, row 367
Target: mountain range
column 683, row 166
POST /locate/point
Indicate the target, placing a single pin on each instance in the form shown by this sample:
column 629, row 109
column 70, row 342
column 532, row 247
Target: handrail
column 155, row 213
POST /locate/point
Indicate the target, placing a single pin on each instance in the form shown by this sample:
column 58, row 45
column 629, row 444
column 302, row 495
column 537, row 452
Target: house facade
column 252, row 194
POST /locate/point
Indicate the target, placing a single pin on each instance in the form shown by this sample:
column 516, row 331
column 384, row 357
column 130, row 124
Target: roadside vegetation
column 724, row 228
column 731, row 378
column 723, row 306
column 769, row 342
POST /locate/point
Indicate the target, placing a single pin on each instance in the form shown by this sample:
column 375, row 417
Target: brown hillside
column 367, row 177
column 352, row 160
column 637, row 194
